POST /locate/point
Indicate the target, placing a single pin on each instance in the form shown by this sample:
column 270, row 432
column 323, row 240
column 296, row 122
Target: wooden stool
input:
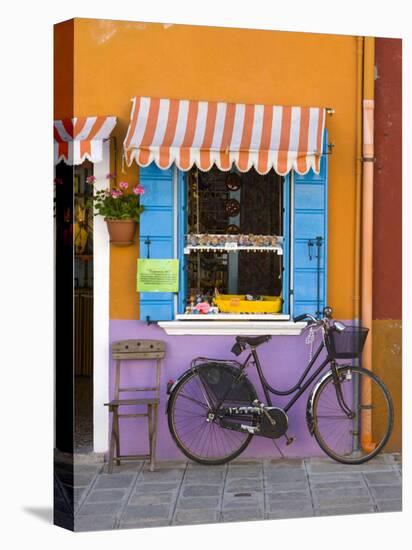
column 126, row 350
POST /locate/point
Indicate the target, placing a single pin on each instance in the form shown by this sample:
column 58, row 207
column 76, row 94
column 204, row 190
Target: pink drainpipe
column 367, row 228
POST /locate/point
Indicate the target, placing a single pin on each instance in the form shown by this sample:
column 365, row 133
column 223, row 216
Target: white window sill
column 232, row 328
column 232, row 317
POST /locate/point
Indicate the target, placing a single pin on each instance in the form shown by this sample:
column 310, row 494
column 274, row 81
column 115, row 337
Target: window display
column 234, row 245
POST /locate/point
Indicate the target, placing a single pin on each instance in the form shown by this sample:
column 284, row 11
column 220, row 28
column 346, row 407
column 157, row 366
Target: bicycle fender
column 309, row 404
column 173, row 386
column 176, row 382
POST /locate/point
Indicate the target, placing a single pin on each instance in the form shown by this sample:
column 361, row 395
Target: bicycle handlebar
column 327, row 316
column 305, row 316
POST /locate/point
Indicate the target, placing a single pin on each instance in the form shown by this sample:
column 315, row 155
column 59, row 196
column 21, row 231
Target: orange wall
column 116, row 60
column 63, row 70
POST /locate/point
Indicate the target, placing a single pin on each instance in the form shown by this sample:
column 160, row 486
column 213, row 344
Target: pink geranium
column 90, row 180
column 124, row 185
column 138, row 190
column 116, row 193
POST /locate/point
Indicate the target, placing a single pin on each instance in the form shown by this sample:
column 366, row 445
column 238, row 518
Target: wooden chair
column 124, row 351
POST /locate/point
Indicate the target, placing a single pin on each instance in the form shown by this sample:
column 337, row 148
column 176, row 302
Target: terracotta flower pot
column 121, row 232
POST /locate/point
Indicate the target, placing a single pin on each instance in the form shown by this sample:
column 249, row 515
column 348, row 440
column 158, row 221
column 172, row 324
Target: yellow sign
column 157, row 275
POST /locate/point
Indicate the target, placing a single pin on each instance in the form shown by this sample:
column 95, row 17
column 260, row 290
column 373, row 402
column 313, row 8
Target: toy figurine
column 203, row 307
column 203, row 240
column 192, row 239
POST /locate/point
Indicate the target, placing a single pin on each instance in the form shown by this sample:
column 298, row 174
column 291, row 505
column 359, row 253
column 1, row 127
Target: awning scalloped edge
column 200, row 133
column 81, row 138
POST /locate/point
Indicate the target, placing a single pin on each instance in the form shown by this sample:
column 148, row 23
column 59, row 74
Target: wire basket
column 347, row 344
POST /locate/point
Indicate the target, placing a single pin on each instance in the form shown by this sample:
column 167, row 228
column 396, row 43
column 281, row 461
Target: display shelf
column 278, row 249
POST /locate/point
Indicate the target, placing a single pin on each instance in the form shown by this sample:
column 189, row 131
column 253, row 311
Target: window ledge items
column 234, row 304
column 233, row 243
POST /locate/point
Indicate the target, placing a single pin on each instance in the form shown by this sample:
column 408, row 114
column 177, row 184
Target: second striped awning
column 80, row 138
column 205, row 133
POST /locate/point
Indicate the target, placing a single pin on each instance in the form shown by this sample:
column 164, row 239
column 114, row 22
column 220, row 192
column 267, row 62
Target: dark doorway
column 83, row 307
column 74, row 307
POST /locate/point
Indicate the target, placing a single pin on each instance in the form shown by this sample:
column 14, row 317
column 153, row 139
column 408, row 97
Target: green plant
column 119, row 203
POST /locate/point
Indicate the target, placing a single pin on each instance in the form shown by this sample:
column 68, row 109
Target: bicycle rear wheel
column 342, row 435
column 194, row 421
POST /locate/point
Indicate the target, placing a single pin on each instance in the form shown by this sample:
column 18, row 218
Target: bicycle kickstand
column 289, row 441
column 278, row 448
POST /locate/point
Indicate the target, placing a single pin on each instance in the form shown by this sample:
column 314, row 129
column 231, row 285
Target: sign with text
column 157, row 275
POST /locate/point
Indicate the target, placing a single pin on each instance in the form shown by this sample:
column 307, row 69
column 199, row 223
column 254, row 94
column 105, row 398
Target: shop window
column 233, row 253
column 277, row 224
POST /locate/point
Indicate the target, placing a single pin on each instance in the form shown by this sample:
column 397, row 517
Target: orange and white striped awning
column 80, row 138
column 204, row 133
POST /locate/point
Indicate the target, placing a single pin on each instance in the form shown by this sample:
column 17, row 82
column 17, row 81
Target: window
column 295, row 211
column 234, row 243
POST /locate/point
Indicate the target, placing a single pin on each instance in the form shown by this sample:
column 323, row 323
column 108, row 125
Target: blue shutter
column 310, row 203
column 157, row 226
column 181, row 233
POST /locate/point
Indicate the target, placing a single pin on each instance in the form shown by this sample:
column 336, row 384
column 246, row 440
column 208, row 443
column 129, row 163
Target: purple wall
column 283, row 360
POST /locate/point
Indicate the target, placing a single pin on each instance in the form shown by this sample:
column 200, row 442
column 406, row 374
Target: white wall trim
column 214, row 328
column 101, row 259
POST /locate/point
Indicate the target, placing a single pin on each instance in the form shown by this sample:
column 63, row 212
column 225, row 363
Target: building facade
column 101, row 65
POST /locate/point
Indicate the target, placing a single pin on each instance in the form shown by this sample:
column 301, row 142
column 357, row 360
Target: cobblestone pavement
column 181, row 493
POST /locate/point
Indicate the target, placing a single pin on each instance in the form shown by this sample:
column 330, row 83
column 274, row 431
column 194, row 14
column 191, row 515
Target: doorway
column 83, row 307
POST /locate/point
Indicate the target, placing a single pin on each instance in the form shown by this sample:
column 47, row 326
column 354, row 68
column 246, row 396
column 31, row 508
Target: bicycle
column 214, row 410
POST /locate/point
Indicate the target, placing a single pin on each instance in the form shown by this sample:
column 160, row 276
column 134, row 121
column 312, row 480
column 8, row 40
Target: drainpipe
column 358, row 214
column 358, row 179
column 367, row 228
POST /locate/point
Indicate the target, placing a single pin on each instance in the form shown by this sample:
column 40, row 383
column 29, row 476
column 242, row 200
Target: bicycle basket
column 347, row 344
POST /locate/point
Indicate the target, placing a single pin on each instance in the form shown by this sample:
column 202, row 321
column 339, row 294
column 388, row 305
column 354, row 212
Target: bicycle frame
column 300, row 387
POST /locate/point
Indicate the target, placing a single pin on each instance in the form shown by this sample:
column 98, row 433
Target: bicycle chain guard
column 280, row 426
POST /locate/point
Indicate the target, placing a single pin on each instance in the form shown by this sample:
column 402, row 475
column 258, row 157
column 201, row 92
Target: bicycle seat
column 253, row 340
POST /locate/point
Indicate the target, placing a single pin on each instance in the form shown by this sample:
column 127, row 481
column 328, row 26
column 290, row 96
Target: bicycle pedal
column 289, row 440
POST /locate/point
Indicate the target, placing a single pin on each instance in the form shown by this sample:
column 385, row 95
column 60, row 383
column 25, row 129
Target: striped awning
column 80, row 138
column 204, row 133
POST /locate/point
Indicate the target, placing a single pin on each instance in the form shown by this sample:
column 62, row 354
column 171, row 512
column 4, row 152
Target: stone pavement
column 182, row 493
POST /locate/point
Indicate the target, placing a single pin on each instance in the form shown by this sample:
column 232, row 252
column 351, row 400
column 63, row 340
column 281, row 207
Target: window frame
column 180, row 205
column 308, row 260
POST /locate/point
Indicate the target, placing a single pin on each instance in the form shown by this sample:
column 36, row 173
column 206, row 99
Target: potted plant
column 121, row 209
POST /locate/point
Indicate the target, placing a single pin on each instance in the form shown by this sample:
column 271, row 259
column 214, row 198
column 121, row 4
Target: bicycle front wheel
column 196, row 424
column 354, row 429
